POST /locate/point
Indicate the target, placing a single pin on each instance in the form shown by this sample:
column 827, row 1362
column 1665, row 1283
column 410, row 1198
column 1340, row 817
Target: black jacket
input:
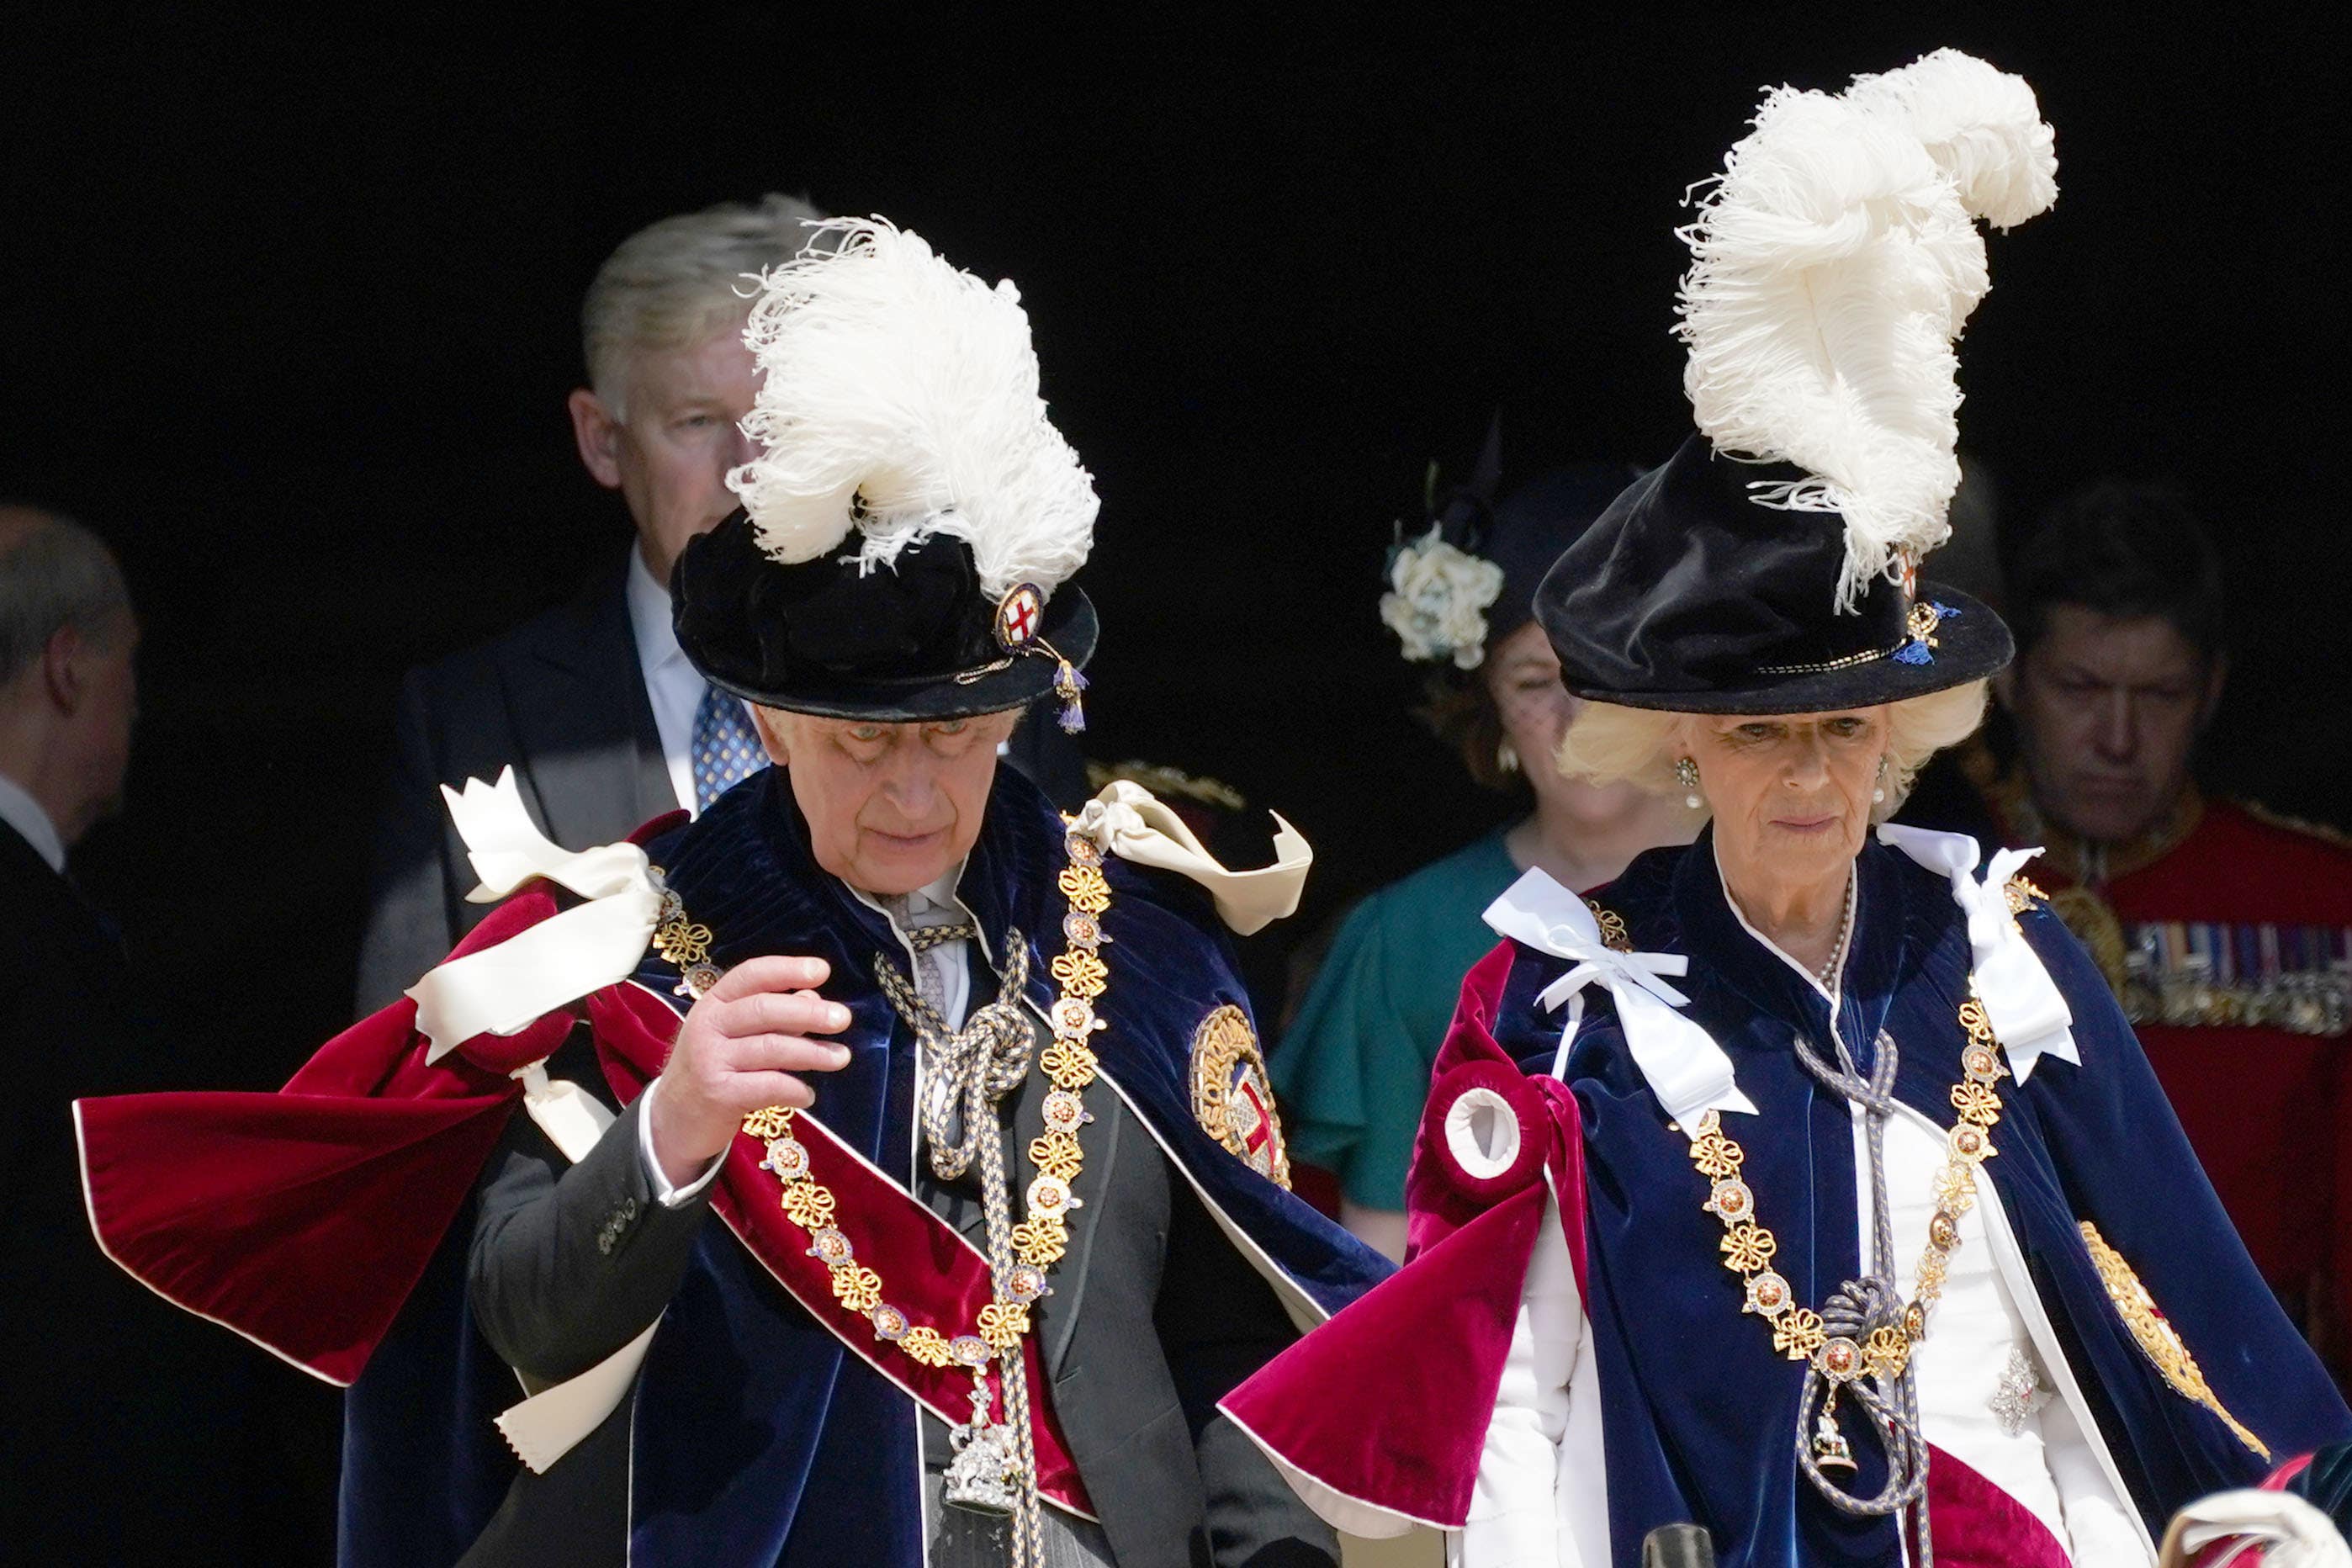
column 128, row 1438
column 560, row 699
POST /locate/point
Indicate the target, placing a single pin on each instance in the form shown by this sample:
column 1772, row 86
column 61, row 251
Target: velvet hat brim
column 1688, row 595
column 909, row 642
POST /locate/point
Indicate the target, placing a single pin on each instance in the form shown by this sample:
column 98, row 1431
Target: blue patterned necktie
column 727, row 749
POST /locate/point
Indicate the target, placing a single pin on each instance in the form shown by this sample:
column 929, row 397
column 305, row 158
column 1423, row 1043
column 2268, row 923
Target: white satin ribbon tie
column 1130, row 821
column 500, row 990
column 2028, row 1013
column 1688, row 1072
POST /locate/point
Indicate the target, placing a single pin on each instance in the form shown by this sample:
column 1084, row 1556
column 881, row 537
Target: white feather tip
column 1834, row 266
column 900, row 399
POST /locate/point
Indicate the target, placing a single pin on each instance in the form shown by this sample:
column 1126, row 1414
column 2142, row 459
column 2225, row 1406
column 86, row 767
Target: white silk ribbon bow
column 1688, row 1072
column 2027, row 1014
column 1130, row 821
column 500, row 990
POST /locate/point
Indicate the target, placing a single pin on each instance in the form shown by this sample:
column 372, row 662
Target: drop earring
column 1878, row 795
column 1686, row 775
column 1506, row 756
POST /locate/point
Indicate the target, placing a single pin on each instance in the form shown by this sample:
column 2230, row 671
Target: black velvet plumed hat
column 1772, row 565
column 1688, row 595
column 913, row 641
column 908, row 532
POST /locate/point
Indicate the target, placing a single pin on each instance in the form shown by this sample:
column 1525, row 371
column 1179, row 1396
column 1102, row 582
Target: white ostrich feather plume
column 899, row 401
column 1833, row 265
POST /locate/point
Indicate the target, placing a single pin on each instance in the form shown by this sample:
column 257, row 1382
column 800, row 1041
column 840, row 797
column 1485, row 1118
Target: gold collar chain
column 1042, row 1239
column 1798, row 1333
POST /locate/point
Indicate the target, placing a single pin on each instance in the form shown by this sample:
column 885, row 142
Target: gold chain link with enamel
column 1043, row 1237
column 1748, row 1247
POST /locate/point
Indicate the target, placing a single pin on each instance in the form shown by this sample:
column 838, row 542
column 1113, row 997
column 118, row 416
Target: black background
column 289, row 312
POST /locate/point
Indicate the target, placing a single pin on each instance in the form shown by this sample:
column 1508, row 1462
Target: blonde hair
column 674, row 283
column 1609, row 744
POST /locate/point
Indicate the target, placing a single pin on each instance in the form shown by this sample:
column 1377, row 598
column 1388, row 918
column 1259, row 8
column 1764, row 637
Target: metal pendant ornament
column 1686, row 775
column 1020, row 622
column 985, row 1476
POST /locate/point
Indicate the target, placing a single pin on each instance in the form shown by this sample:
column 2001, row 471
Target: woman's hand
column 737, row 1052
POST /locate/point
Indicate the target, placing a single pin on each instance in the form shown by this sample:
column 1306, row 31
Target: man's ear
column 770, row 724
column 2004, row 688
column 598, row 435
column 61, row 672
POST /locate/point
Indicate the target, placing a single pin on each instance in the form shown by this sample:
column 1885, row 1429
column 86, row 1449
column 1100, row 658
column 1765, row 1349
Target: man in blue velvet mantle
column 973, row 1089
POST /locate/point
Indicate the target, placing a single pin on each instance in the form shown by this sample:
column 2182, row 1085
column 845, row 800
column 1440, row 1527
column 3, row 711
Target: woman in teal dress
column 1353, row 1068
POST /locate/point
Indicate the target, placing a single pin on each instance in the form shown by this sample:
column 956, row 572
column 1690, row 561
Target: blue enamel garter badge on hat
column 1232, row 1098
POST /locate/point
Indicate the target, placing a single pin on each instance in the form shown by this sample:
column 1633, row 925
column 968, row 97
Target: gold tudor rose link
column 1748, row 1247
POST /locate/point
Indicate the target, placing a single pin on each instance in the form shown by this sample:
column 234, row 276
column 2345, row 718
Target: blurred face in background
column 110, row 671
column 668, row 444
column 2109, row 708
column 1522, row 676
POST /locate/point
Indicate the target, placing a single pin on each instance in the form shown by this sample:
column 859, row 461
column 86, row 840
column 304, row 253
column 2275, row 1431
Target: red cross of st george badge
column 1262, row 1133
column 1018, row 616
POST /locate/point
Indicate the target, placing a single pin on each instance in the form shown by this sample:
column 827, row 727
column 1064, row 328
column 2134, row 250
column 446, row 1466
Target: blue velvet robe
column 1698, row 1411
column 758, row 1437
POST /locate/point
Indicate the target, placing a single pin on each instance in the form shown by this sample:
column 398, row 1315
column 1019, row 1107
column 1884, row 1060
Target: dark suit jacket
column 560, row 699
column 127, row 1432
column 1153, row 1317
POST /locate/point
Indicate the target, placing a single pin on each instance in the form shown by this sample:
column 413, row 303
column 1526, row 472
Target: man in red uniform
column 2224, row 930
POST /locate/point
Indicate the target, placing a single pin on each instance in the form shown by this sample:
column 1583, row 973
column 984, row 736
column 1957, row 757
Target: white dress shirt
column 20, row 811
column 673, row 685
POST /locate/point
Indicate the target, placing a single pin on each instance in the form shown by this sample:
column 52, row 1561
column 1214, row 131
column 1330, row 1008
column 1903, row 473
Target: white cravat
column 950, row 962
column 20, row 811
column 673, row 686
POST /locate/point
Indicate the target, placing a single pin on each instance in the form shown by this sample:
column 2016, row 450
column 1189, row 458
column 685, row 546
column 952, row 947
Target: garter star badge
column 1232, row 1097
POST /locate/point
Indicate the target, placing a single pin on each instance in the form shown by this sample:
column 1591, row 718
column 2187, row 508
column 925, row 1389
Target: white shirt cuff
column 670, row 1197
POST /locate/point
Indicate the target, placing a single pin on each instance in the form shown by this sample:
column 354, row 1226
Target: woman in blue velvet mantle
column 1805, row 1186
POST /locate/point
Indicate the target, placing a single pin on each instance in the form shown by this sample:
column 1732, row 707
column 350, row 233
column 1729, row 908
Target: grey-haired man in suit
column 602, row 720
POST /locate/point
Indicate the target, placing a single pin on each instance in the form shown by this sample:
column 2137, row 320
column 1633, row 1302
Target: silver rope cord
column 965, row 1072
column 1860, row 1306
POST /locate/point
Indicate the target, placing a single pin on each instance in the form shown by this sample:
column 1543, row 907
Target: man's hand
column 737, row 1052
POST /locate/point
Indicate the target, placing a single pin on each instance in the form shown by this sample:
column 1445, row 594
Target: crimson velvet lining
column 1389, row 1402
column 1977, row 1525
column 345, row 1180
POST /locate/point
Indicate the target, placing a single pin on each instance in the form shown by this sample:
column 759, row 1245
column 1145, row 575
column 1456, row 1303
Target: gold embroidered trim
column 2159, row 1339
column 1226, row 1061
column 1848, row 662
